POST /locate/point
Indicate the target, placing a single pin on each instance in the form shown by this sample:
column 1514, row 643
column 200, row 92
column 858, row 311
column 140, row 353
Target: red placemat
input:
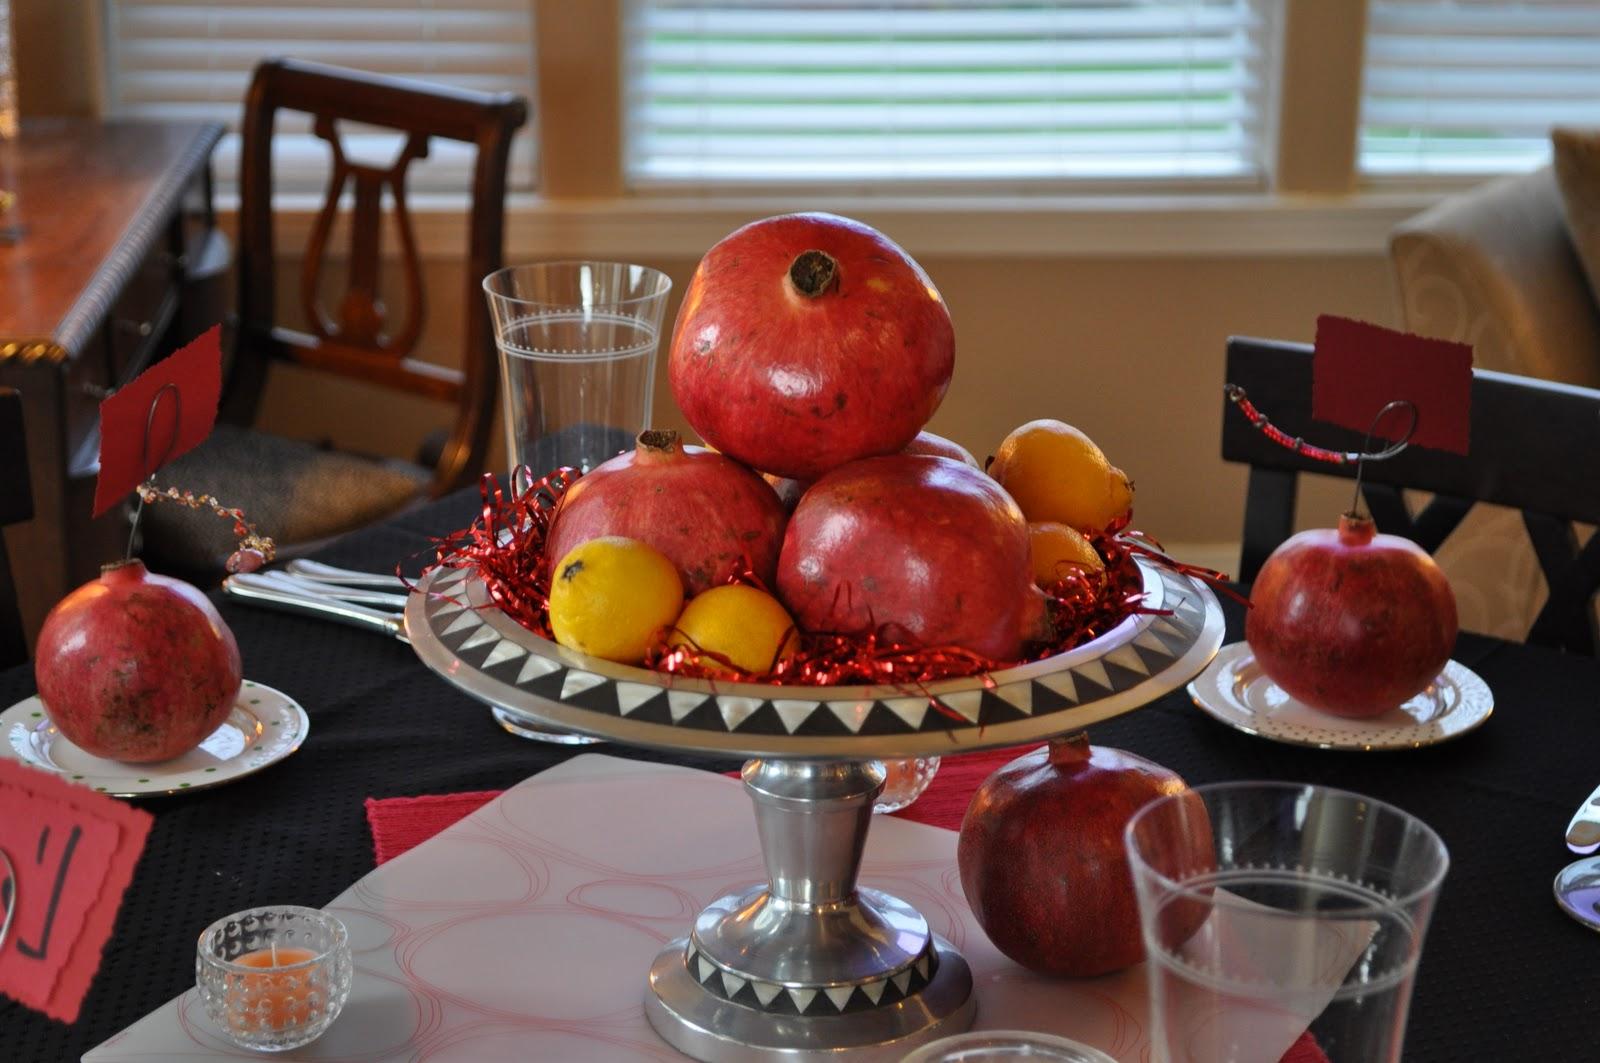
column 399, row 823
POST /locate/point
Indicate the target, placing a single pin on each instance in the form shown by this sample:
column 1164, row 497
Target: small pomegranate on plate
column 1351, row 622
column 136, row 667
column 1042, row 861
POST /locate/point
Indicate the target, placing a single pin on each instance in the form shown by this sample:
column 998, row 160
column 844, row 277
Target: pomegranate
column 806, row 341
column 710, row 515
column 137, row 667
column 925, row 550
column 1349, row 621
column 939, row 446
column 1042, row 860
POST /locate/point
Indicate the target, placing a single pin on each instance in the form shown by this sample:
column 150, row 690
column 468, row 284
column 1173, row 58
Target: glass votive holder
column 904, row 781
column 1002, row 1046
column 274, row 978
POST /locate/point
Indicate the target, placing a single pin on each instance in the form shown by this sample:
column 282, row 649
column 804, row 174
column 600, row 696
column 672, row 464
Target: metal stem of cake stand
column 809, row 965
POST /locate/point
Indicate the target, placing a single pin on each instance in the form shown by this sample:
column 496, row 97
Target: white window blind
column 751, row 91
column 189, row 60
column 1473, row 86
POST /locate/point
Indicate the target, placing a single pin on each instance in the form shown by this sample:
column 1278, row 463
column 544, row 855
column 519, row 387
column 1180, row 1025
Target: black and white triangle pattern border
column 481, row 645
column 779, row 999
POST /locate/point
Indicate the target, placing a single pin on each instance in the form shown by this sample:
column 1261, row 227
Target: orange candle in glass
column 286, row 995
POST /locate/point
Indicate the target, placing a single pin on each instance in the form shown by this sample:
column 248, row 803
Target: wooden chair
column 1535, row 447
column 296, row 492
column 16, row 506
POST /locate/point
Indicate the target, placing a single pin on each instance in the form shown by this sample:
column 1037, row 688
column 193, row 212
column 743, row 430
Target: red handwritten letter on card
column 73, row 852
column 178, row 424
column 1359, row 368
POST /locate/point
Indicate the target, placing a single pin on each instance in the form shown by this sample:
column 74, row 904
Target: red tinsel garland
column 505, row 547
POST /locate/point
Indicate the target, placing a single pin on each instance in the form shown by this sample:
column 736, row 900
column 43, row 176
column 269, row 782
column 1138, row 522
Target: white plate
column 1235, row 690
column 264, row 727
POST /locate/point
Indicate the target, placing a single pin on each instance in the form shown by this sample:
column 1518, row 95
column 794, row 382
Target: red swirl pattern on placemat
column 603, row 858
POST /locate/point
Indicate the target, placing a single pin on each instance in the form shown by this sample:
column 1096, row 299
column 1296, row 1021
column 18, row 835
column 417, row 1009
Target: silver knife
column 348, row 592
column 331, row 574
column 264, row 590
column 1583, row 833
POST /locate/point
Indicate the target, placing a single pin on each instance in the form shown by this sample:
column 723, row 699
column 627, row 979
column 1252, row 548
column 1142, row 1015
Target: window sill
column 1020, row 226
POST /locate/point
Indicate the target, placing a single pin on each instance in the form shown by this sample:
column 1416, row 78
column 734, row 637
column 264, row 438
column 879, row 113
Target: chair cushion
column 1577, row 166
column 294, row 492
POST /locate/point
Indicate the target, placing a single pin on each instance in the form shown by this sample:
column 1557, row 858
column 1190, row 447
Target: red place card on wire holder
column 1358, row 368
column 72, row 853
column 164, row 412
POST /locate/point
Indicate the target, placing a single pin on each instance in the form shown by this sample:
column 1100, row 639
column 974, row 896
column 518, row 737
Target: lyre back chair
column 296, row 492
column 1535, row 447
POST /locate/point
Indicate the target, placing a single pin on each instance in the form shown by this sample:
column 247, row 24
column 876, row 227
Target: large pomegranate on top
column 136, row 667
column 710, row 515
column 806, row 341
column 927, row 550
column 1042, row 860
column 1351, row 622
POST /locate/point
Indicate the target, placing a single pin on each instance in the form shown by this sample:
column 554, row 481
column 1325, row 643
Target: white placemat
column 525, row 931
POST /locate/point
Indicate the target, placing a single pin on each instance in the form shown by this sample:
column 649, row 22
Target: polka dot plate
column 1233, row 689
column 265, row 726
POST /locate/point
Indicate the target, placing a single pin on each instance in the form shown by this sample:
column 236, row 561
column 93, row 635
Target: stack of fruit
column 809, row 353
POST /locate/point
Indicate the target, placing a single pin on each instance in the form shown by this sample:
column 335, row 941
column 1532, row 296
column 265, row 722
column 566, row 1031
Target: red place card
column 73, row 852
column 178, row 423
column 1358, row 368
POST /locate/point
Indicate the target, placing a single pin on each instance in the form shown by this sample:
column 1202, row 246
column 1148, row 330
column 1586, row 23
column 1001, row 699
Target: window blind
column 960, row 90
column 189, row 60
column 1473, row 86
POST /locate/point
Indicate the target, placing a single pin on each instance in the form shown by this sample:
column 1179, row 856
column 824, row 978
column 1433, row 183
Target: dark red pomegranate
column 710, row 515
column 137, row 667
column 1042, row 860
column 939, row 446
column 926, row 550
column 806, row 341
column 1351, row 622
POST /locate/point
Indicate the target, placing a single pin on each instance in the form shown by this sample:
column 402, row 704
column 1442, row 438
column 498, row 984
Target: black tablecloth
column 1504, row 974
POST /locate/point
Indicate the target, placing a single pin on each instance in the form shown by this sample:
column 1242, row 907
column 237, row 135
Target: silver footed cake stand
column 809, row 965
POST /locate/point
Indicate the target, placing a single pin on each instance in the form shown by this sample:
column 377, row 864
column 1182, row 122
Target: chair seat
column 295, row 492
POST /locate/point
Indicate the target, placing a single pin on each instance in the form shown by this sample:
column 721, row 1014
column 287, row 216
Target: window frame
column 1313, row 202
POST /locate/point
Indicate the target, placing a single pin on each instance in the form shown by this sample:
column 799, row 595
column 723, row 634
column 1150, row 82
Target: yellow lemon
column 747, row 626
column 1057, row 549
column 1056, row 473
column 612, row 597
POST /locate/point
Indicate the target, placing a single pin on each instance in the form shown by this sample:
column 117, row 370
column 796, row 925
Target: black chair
column 16, row 506
column 1535, row 447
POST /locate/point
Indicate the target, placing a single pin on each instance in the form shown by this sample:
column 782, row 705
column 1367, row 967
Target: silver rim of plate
column 264, row 726
column 1234, row 690
column 457, row 631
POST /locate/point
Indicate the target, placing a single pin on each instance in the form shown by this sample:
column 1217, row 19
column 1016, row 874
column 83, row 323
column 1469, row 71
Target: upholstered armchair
column 1495, row 267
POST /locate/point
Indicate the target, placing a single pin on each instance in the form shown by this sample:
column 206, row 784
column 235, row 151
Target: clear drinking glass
column 274, row 978
column 1004, row 1046
column 904, row 781
column 1271, row 908
column 577, row 345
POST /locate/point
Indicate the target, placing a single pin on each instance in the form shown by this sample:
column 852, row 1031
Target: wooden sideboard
column 109, row 258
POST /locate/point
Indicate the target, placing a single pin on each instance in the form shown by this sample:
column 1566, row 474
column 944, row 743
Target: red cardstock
column 1359, row 368
column 73, row 852
column 178, row 424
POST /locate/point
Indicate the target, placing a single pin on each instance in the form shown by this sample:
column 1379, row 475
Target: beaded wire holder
column 1298, row 445
column 254, row 549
